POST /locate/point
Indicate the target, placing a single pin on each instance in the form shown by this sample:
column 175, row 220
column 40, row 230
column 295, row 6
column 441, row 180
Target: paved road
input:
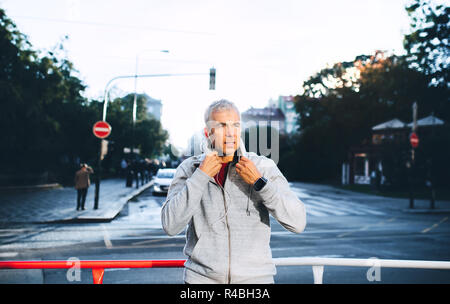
column 340, row 224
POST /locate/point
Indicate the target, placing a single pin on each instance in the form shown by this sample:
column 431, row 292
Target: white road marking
column 8, row 254
column 314, row 212
column 321, row 206
column 106, row 238
column 324, row 207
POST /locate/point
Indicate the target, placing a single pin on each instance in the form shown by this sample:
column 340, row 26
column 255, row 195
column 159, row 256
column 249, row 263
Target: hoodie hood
column 206, row 148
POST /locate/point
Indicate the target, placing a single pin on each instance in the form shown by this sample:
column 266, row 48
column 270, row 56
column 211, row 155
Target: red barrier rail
column 98, row 267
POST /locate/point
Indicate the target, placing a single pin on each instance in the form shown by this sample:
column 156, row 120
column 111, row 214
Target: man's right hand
column 211, row 165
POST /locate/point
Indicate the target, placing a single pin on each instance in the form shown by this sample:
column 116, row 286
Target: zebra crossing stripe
column 324, row 207
column 327, row 209
column 340, row 206
column 314, row 212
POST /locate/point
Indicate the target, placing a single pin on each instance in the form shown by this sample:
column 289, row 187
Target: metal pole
column 411, row 170
column 99, row 173
column 134, row 122
column 433, row 191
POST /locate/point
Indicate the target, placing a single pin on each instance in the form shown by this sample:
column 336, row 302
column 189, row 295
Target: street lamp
column 135, row 93
column 411, row 167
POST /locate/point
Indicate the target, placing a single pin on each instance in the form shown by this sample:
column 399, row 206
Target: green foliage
column 45, row 122
column 427, row 44
column 42, row 115
column 335, row 119
column 339, row 105
column 147, row 134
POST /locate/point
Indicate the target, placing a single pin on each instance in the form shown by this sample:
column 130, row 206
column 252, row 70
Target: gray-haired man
column 224, row 197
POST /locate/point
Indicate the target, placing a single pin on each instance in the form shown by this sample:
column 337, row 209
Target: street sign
column 414, row 140
column 101, row 129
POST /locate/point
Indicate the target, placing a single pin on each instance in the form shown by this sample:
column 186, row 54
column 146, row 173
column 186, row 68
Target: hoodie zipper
column 229, row 239
column 228, row 280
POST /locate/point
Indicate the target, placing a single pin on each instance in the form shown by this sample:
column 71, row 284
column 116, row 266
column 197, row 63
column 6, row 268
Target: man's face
column 225, row 132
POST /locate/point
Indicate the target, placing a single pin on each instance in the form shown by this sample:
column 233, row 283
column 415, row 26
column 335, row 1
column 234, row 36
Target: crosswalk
column 322, row 206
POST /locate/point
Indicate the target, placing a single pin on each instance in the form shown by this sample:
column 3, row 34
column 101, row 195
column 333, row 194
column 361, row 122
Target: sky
column 261, row 49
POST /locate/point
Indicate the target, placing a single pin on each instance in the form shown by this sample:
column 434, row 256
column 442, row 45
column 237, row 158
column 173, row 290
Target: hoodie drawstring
column 248, row 200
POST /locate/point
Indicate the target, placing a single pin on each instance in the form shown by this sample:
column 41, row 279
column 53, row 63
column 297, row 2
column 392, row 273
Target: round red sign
column 101, row 129
column 414, row 140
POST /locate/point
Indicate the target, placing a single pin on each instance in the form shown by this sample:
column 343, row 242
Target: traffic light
column 212, row 79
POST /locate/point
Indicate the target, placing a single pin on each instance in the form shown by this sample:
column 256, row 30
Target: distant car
column 162, row 180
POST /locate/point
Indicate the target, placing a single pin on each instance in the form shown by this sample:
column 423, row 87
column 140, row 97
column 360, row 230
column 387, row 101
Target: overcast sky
column 261, row 49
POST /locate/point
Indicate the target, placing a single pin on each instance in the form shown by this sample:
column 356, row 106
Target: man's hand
column 247, row 170
column 211, row 165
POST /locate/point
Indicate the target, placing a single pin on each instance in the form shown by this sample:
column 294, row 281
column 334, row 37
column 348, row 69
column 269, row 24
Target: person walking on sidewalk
column 82, row 183
column 224, row 197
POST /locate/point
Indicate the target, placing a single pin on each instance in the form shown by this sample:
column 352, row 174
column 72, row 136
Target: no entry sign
column 101, row 129
column 414, row 140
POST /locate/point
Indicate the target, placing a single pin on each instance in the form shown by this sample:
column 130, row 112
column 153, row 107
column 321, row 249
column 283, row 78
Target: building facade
column 287, row 107
column 270, row 116
column 154, row 107
column 366, row 162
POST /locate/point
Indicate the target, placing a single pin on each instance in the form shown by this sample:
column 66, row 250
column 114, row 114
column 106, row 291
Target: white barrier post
column 318, row 274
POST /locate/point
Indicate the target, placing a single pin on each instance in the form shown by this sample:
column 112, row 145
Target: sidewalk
column 59, row 205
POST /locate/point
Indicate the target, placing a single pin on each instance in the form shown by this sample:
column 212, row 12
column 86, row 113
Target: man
column 224, row 196
column 82, row 183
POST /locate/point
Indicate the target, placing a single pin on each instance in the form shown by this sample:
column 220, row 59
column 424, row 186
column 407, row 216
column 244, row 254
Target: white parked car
column 162, row 180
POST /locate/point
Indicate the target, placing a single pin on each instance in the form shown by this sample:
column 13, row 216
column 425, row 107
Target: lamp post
column 135, row 106
column 412, row 165
column 135, row 88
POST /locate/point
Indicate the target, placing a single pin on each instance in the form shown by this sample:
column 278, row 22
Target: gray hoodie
column 228, row 228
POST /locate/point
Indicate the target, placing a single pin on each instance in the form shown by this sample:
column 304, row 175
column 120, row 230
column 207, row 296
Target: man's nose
column 229, row 130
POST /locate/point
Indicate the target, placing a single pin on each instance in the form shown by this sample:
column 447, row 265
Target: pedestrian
column 123, row 167
column 82, row 183
column 223, row 198
column 129, row 175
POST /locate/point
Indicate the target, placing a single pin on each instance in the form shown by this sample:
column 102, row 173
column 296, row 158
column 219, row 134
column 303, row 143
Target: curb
column 429, row 211
column 29, row 188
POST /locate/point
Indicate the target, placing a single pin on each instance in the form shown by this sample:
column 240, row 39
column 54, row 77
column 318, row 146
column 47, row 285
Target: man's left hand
column 247, row 170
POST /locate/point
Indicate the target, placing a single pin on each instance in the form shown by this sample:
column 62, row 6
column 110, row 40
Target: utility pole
column 101, row 130
column 411, row 167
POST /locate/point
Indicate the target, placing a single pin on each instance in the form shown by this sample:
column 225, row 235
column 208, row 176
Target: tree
column 147, row 135
column 341, row 104
column 41, row 106
column 427, row 45
column 45, row 122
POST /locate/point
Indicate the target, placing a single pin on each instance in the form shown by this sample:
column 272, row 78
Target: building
column 267, row 115
column 154, row 107
column 287, row 106
column 366, row 159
